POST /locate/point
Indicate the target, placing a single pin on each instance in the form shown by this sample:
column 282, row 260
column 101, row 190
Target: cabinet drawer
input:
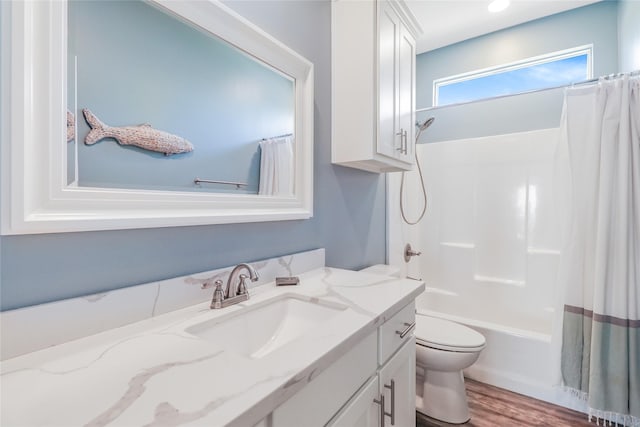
column 390, row 333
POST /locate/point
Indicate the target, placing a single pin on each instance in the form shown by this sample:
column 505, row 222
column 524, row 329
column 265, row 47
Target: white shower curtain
column 600, row 266
column 276, row 167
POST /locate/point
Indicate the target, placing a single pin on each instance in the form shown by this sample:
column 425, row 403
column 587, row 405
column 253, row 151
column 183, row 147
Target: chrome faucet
column 240, row 288
column 236, row 290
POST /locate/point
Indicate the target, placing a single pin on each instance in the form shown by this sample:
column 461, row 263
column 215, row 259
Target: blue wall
column 349, row 207
column 629, row 35
column 594, row 24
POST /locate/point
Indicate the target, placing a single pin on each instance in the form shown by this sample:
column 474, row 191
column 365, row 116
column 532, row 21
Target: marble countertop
column 153, row 372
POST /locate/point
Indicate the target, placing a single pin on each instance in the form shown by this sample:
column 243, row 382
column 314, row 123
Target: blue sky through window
column 538, row 76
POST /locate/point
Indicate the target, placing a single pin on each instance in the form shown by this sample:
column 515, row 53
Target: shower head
column 425, row 124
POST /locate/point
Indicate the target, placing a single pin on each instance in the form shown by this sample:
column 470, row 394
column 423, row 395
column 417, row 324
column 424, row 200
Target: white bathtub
column 515, row 359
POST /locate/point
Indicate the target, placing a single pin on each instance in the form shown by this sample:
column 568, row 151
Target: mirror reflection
column 157, row 103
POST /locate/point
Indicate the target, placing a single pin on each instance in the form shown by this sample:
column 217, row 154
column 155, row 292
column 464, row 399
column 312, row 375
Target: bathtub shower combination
column 490, row 244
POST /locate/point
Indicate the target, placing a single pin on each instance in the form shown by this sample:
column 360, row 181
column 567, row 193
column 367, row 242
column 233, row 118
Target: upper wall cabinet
column 373, row 85
column 65, row 77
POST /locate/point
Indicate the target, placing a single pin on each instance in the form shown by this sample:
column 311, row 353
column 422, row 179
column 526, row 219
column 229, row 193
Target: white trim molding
column 35, row 194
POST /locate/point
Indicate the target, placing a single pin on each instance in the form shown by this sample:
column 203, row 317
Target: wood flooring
column 495, row 407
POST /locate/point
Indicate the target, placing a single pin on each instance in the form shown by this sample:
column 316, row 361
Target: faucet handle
column 208, row 285
column 218, row 295
column 242, row 287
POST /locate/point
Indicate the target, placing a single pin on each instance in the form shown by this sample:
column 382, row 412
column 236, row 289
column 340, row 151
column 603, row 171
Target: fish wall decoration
column 71, row 126
column 143, row 136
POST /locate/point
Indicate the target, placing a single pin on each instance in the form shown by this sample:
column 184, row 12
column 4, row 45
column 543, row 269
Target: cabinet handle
column 401, row 135
column 405, row 137
column 403, row 141
column 409, row 326
column 382, row 413
column 392, row 387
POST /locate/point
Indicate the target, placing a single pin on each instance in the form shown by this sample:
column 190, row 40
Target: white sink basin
column 263, row 328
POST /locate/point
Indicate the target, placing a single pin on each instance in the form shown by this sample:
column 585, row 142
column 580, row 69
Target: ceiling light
column 498, row 5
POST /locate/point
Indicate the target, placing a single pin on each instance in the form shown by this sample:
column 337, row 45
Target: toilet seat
column 447, row 335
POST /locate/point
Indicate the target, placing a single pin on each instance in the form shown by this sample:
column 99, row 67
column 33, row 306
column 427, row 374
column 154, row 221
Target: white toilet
column 443, row 350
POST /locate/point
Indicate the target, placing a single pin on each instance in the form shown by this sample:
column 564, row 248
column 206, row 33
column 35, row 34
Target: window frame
column 516, row 65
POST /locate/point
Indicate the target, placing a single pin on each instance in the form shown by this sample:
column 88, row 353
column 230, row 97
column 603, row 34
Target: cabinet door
column 406, row 92
column 388, row 139
column 361, row 411
column 318, row 402
column 397, row 381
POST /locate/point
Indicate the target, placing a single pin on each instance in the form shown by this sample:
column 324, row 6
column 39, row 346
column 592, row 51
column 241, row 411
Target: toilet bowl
column 443, row 350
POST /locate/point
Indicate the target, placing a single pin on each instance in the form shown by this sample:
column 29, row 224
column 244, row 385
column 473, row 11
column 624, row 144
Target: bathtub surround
column 157, row 371
column 490, row 235
column 600, row 265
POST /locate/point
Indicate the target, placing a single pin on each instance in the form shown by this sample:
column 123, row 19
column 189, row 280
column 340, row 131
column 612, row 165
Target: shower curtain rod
column 607, row 77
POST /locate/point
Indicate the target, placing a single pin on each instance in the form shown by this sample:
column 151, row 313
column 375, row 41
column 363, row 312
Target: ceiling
column 445, row 22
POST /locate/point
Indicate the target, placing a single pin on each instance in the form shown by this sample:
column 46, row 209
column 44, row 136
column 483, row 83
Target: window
column 546, row 71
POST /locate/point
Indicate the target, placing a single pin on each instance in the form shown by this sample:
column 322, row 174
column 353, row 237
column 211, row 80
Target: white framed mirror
column 38, row 194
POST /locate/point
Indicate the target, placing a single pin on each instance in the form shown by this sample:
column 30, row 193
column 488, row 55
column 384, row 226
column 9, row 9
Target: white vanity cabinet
column 390, row 396
column 374, row 381
column 395, row 381
column 373, row 84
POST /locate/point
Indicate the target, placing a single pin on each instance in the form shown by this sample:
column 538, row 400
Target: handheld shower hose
column 421, row 128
